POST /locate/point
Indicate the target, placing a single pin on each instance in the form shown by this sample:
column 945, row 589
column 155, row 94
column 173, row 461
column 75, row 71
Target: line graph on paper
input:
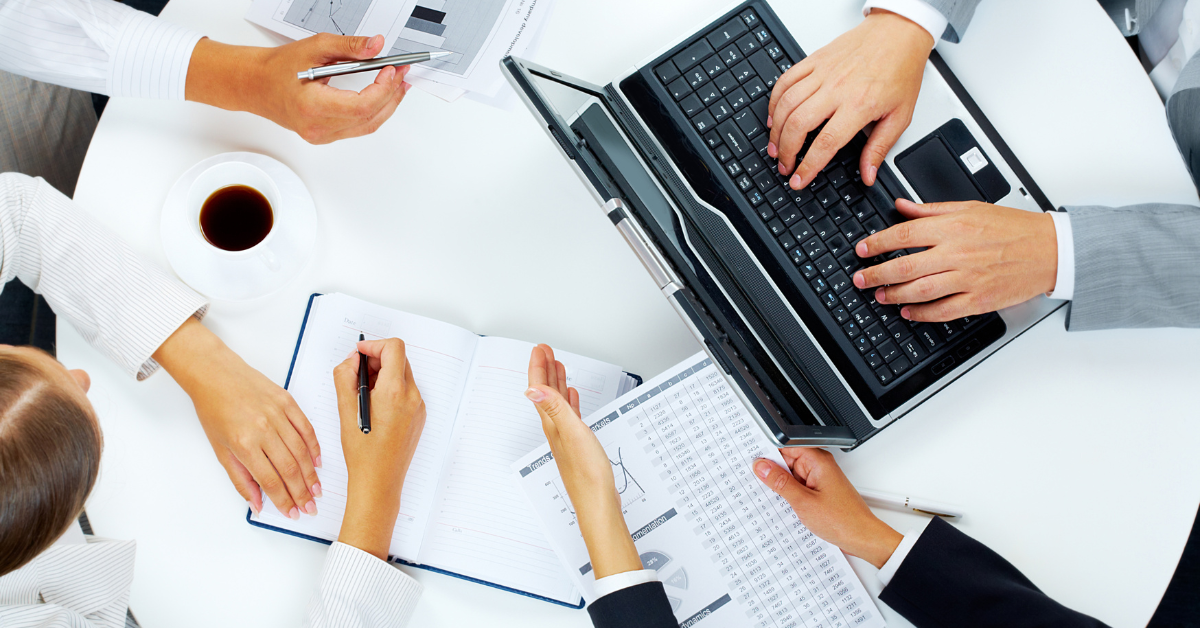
column 340, row 17
column 461, row 27
column 627, row 486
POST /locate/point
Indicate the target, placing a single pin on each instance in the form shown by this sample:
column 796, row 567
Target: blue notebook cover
column 257, row 524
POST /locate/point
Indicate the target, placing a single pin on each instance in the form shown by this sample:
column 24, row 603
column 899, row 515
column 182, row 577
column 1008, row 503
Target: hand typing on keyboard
column 981, row 258
column 869, row 74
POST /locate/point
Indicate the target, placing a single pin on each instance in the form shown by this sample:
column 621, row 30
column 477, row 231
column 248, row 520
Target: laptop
column 674, row 151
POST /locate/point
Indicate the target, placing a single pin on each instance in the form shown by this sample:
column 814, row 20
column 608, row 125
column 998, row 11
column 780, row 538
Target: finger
column 883, row 137
column 922, row 290
column 304, row 428
column 272, row 484
column 345, row 376
column 289, row 470
column 243, row 481
column 900, row 270
column 795, row 129
column 784, row 84
column 328, row 48
column 786, row 107
column 836, row 134
column 298, row 447
column 573, row 399
column 537, row 366
column 551, row 368
column 912, row 210
column 782, row 482
column 950, row 308
column 809, row 463
column 372, row 125
column 553, row 406
column 909, row 234
column 562, row 378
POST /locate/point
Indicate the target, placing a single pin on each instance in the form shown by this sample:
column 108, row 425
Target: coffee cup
column 225, row 210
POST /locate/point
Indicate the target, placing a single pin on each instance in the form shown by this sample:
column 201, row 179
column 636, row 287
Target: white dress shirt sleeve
column 918, row 11
column 122, row 305
column 359, row 590
column 611, row 584
column 70, row 586
column 1064, row 281
column 98, row 46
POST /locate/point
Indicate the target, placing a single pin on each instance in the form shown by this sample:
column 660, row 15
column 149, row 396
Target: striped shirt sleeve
column 98, row 46
column 121, row 304
column 358, row 590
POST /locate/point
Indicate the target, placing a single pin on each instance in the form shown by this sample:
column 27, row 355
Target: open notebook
column 460, row 513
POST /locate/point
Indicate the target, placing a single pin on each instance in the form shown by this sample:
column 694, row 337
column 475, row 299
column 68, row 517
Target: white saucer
column 218, row 277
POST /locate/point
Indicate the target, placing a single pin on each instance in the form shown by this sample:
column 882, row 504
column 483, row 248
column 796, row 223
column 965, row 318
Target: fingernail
column 375, row 39
column 294, row 514
column 879, row 295
column 311, row 508
column 861, row 249
column 351, row 354
column 872, row 170
column 904, row 313
column 317, row 462
column 771, row 149
column 859, row 282
column 316, row 489
column 535, row 395
column 770, row 121
column 407, row 86
column 252, row 508
column 796, row 182
column 782, row 170
column 762, row 468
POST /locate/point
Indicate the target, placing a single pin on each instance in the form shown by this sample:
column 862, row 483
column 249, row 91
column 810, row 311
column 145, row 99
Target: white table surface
column 1074, row 455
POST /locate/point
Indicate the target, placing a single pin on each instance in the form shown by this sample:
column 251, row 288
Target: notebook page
column 482, row 526
column 729, row 551
column 440, row 355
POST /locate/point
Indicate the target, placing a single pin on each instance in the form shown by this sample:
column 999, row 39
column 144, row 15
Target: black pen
column 364, row 392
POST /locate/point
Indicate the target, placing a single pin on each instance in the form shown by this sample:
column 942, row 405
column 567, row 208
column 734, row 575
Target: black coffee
column 236, row 218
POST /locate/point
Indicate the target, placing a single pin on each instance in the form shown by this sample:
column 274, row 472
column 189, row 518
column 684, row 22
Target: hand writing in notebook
column 377, row 463
column 583, row 466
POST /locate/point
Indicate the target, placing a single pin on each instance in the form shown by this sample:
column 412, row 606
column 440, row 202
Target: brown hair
column 49, row 459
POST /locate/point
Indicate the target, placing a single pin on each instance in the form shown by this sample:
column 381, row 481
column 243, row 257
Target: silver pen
column 904, row 503
column 350, row 67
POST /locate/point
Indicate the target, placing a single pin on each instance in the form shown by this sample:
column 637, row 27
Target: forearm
column 370, row 518
column 225, row 76
column 608, row 542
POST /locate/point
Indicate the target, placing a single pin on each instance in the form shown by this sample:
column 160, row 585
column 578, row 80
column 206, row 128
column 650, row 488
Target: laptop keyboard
column 722, row 82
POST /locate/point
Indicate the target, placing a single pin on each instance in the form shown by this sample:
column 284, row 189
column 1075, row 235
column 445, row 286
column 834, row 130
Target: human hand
column 981, row 258
column 870, row 73
column 828, row 504
column 259, row 434
column 377, row 463
column 583, row 465
column 263, row 81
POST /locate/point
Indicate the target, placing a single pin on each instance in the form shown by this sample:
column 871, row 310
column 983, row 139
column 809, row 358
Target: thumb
column 340, row 48
column 882, row 139
column 552, row 406
column 912, row 210
column 781, row 481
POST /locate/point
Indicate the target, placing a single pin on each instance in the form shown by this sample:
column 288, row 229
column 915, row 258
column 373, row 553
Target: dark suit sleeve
column 640, row 606
column 950, row 579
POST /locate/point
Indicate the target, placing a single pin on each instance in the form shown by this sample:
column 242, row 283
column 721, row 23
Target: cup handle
column 268, row 258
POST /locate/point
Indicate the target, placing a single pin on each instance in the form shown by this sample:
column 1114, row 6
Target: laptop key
column 912, row 348
column 744, row 183
column 749, row 18
column 708, row 94
column 753, row 165
column 900, row 366
column 789, row 215
column 776, row 227
column 850, row 262
column 840, row 314
column 888, row 350
column 837, row 244
column 862, row 209
column 876, row 333
column 691, row 105
column 830, row 300
column 775, row 52
column 950, row 330
column 667, row 72
column 802, row 230
column 725, row 82
column 763, row 180
column 765, row 212
column 712, row 138
column 727, row 33
column 850, row 193
column 808, row 269
column 864, row 316
column 734, row 139
column 759, row 107
column 801, row 196
column 928, row 337
column 747, row 44
column 813, row 247
column 812, row 211
column 748, row 122
column 873, row 225
column 784, row 66
column 695, row 77
column 724, row 154
column 713, row 66
column 887, row 314
column 874, row 360
column 851, row 300
column 755, row 197
column 787, row 241
column 839, row 280
column 899, row 331
column 852, row 230
column 800, row 259
column 862, row 344
column 852, row 329
column 825, row 228
column 720, row 110
column 766, row 69
column 826, row 265
column 838, row 176
column 839, row 213
column 692, row 55
column 819, row 284
column 679, row 88
column 777, row 199
column 827, row 196
column 755, row 88
column 884, row 374
column 761, row 34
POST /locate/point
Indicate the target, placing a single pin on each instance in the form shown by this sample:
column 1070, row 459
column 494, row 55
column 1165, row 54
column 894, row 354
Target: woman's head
column 49, row 452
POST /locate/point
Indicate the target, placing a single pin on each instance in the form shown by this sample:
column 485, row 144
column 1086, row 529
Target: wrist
column 608, row 542
column 902, row 29
column 879, row 545
column 185, row 353
column 225, row 76
column 369, row 520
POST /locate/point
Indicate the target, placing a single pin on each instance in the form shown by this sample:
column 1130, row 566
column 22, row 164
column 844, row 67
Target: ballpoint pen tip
column 438, row 55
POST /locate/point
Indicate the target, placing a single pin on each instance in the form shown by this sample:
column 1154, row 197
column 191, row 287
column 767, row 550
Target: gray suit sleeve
column 959, row 12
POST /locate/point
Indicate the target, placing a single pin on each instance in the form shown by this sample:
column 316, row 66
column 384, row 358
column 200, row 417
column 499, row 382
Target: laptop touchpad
column 935, row 174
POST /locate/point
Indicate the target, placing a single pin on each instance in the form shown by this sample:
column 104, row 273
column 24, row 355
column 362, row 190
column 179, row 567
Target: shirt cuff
column 888, row 570
column 611, row 584
column 1064, row 281
column 356, row 585
column 918, row 11
column 152, row 57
